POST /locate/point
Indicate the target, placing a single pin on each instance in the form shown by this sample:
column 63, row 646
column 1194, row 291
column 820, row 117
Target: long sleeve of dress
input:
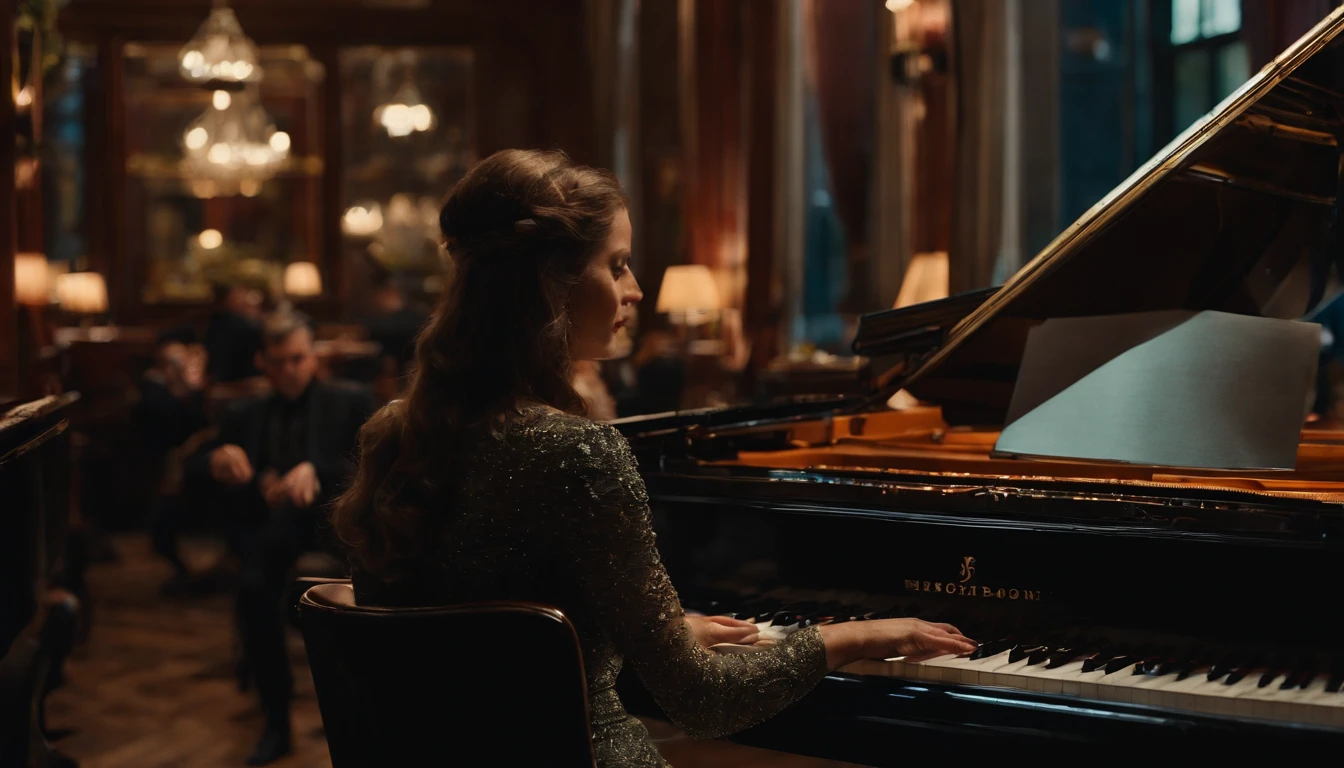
column 637, row 608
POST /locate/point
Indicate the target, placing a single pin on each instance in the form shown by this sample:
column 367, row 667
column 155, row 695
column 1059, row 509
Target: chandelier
column 234, row 143
column 405, row 114
column 220, row 51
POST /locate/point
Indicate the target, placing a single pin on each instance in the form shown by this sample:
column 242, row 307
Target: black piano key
column 1062, row 656
column 1120, row 662
column 1243, row 669
column 1301, row 676
column 992, row 648
column 1335, row 682
column 1021, row 651
column 1222, row 667
column 1098, row 660
column 1153, row 666
column 1266, row 678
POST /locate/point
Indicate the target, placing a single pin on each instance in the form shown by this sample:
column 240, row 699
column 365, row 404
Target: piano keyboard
column 1076, row 664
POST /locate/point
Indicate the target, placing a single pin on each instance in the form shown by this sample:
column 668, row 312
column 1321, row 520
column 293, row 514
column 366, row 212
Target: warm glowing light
column 210, row 239
column 32, row 279
column 83, row 292
column 25, row 97
column 219, row 154
column 219, row 51
column 405, row 114
column 362, row 220
column 249, row 187
column 302, row 279
column 279, row 142
column 221, row 99
column 421, row 117
column 196, row 138
column 896, row 6
column 689, row 293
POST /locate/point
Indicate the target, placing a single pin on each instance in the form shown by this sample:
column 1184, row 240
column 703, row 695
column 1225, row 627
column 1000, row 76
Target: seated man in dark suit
column 280, row 458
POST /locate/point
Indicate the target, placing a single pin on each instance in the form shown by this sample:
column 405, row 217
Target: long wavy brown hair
column 520, row 227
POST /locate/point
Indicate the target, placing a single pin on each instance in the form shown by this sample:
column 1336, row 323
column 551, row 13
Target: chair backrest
column 480, row 684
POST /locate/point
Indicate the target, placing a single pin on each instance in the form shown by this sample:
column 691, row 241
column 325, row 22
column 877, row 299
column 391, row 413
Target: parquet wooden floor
column 152, row 686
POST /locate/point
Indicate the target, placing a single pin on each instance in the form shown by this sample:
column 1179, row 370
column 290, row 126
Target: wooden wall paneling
column 108, row 254
column 659, row 235
column 716, row 160
column 332, row 192
column 9, row 373
column 935, row 140
column 764, row 296
column 531, row 88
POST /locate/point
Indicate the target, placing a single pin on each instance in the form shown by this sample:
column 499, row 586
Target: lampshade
column 925, row 279
column 689, row 288
column 32, row 279
column 83, row 292
column 302, row 279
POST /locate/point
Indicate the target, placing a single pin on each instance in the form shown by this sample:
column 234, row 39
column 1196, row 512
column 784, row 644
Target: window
column 1201, row 59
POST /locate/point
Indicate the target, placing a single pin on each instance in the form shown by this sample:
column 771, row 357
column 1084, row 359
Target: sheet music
column 1208, row 390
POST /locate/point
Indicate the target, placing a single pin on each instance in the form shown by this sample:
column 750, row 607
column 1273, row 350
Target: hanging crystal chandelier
column 234, row 144
column 220, row 51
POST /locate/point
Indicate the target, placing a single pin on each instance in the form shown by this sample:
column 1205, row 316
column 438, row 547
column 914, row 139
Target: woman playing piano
column 487, row 482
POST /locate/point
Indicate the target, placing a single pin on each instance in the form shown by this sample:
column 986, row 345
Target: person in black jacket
column 279, row 458
column 170, row 411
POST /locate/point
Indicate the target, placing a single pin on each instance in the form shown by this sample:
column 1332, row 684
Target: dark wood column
column 9, row 365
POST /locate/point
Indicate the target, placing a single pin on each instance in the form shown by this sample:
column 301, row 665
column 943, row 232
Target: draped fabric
column 985, row 226
column 841, row 66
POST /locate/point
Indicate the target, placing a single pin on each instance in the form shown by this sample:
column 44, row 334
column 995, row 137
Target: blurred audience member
column 233, row 335
column 169, row 413
column 279, row 458
column 393, row 323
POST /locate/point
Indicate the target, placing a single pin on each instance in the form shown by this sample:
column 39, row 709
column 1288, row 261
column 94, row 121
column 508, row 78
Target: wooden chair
column 481, row 684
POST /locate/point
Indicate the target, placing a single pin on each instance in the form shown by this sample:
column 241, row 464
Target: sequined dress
column 551, row 509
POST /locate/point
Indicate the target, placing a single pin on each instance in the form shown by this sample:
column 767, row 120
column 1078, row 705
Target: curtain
column 840, row 64
column 985, row 66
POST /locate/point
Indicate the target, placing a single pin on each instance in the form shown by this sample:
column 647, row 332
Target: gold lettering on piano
column 967, row 568
column 961, row 588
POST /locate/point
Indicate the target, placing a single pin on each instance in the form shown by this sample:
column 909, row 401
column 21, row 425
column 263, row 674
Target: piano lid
column 1236, row 214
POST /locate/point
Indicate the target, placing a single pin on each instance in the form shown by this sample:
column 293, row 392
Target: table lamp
column 82, row 293
column 926, row 279
column 689, row 295
column 302, row 279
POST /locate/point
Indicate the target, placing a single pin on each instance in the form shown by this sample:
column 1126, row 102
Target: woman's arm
column 635, row 604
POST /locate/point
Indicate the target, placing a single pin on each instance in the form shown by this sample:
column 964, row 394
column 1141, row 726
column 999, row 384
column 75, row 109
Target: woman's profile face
column 605, row 298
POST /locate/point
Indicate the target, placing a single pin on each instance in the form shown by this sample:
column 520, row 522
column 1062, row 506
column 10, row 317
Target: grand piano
column 1121, row 608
